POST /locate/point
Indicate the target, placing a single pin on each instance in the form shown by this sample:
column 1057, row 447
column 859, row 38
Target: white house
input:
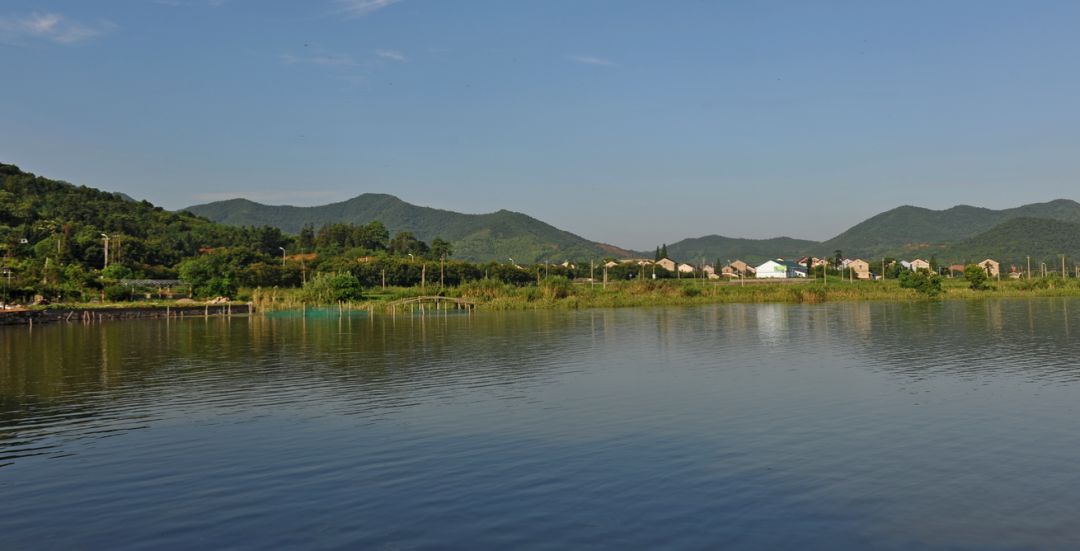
column 919, row 264
column 686, row 268
column 780, row 269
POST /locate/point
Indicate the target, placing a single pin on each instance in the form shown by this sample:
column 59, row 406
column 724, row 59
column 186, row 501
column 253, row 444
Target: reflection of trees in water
column 56, row 379
column 1029, row 336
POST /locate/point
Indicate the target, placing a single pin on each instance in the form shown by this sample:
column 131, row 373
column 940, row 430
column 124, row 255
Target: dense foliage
column 923, row 281
column 53, row 237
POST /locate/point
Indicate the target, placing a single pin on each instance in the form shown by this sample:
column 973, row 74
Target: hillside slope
column 479, row 237
column 911, row 230
column 1011, row 242
column 65, row 223
column 754, row 251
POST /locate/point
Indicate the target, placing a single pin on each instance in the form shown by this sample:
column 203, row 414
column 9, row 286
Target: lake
column 948, row 425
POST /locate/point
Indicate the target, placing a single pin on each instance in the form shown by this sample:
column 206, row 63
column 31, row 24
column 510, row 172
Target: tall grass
column 560, row 293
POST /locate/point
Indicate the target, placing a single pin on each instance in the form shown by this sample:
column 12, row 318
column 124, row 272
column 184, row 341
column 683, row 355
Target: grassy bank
column 558, row 293
column 561, row 294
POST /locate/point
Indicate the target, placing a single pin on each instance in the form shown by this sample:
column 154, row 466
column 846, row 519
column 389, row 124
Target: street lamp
column 282, row 255
column 7, row 283
column 106, row 251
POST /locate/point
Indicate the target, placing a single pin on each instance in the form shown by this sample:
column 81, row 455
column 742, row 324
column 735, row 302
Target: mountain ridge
column 497, row 235
column 904, row 231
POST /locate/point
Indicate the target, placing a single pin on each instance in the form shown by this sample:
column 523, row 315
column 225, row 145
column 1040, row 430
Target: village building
column 740, row 268
column 686, row 268
column 860, row 268
column 956, row 270
column 667, row 264
column 710, row 272
column 992, row 267
column 780, row 269
column 919, row 264
column 814, row 261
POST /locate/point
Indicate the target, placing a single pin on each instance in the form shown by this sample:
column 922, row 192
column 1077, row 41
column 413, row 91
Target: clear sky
column 629, row 122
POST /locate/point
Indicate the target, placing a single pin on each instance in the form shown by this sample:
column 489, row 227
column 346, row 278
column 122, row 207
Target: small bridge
column 440, row 303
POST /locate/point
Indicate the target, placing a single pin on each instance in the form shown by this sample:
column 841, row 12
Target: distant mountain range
column 958, row 234
column 478, row 237
column 911, row 230
column 717, row 247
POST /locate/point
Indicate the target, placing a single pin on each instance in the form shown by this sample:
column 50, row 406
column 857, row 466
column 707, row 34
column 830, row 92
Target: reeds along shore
column 561, row 293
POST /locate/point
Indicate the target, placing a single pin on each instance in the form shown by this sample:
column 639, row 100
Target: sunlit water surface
column 841, row 426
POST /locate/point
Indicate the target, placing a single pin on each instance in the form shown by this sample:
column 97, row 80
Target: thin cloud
column 391, row 54
column 360, row 8
column 187, row 3
column 320, row 59
column 52, row 27
column 591, row 60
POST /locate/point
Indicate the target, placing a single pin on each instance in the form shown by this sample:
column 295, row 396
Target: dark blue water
column 950, row 425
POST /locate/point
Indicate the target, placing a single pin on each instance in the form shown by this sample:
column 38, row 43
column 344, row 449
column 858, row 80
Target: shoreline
column 109, row 312
column 490, row 297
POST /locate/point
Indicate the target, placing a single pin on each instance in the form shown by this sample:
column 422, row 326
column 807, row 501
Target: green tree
column 922, row 281
column 663, row 251
column 441, row 248
column 976, row 277
column 327, row 288
column 306, row 239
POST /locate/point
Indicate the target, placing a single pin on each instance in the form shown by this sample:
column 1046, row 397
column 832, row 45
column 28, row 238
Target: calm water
column 843, row 426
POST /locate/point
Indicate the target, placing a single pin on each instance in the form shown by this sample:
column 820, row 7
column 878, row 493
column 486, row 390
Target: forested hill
column 477, row 237
column 909, row 230
column 49, row 219
column 714, row 248
column 1011, row 242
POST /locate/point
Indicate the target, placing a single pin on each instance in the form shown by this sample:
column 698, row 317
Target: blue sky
column 633, row 123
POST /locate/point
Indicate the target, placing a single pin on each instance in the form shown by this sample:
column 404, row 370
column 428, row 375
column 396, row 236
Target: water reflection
column 816, row 426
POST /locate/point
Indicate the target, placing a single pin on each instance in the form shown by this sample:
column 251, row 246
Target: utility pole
column 282, row 256
column 1062, row 266
column 1029, row 268
column 442, row 264
column 106, row 251
column 592, row 272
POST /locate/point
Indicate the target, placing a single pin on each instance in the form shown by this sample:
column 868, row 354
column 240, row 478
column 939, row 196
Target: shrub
column 924, row 282
column 976, row 277
column 691, row 291
column 555, row 287
column 330, row 288
column 117, row 293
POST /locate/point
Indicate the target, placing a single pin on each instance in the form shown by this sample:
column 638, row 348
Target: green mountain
column 753, row 251
column 1011, row 242
column 907, row 230
column 477, row 237
column 61, row 223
